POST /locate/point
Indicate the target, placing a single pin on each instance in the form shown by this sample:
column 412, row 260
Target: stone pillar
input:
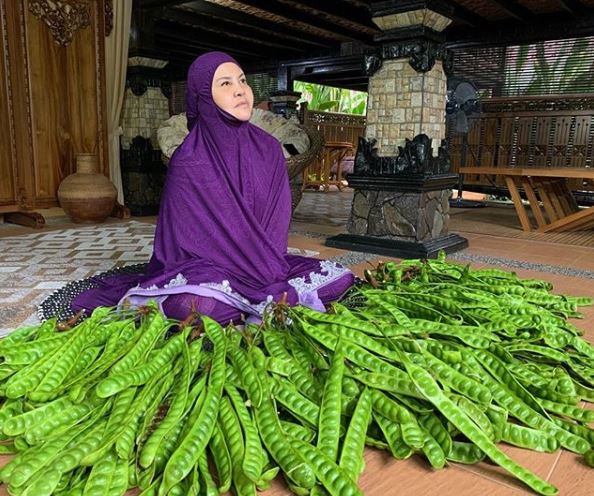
column 402, row 176
column 407, row 93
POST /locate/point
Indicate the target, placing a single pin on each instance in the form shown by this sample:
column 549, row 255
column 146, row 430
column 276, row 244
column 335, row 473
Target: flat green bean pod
column 351, row 455
column 334, row 479
column 433, row 393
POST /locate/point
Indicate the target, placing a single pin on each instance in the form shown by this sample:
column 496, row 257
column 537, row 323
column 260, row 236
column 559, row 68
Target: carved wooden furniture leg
column 120, row 211
column 534, row 204
column 578, row 221
column 517, row 199
column 553, row 188
column 545, row 193
column 27, row 219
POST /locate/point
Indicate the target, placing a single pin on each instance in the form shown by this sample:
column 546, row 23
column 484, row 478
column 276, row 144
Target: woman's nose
column 238, row 90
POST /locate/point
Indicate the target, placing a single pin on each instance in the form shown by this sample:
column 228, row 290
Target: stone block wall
column 407, row 216
column 404, row 103
column 142, row 115
column 419, row 17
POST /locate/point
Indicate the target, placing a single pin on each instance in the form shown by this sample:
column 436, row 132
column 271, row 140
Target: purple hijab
column 224, row 216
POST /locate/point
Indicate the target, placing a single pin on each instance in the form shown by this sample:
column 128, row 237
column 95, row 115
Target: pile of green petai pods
column 425, row 357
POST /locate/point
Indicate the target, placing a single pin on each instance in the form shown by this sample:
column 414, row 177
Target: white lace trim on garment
column 179, row 280
column 317, row 279
column 226, row 288
column 260, row 307
column 329, row 271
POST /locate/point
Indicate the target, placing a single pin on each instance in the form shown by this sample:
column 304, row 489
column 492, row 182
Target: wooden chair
column 319, row 173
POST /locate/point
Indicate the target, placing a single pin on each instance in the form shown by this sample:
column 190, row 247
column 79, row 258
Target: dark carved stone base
column 449, row 243
column 143, row 177
column 416, row 183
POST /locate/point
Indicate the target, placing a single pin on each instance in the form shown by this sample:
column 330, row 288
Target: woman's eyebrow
column 230, row 77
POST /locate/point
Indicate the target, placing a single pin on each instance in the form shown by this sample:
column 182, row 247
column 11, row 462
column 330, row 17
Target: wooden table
column 319, row 173
column 559, row 211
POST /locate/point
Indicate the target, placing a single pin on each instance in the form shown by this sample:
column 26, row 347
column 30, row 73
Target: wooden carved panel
column 7, row 145
column 17, row 172
column 583, row 131
column 530, row 132
column 50, row 123
column 108, row 17
column 67, row 99
column 63, row 17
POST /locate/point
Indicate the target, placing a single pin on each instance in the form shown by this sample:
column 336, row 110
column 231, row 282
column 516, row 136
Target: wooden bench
column 559, row 211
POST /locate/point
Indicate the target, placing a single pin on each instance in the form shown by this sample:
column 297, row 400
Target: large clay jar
column 87, row 196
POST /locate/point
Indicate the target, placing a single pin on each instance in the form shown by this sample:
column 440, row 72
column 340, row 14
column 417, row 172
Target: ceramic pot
column 87, row 196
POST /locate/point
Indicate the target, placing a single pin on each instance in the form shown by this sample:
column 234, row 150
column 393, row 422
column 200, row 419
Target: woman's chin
column 242, row 114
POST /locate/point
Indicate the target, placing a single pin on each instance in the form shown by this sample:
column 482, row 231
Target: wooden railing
column 336, row 127
column 528, row 132
column 338, row 131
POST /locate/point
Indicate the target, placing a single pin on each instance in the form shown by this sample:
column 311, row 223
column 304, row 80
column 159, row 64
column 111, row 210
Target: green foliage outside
column 543, row 69
column 330, row 99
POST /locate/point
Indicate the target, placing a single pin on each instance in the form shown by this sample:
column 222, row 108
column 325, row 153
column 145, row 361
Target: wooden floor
column 569, row 268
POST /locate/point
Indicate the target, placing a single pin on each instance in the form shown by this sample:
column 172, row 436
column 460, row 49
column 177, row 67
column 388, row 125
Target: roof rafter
column 221, row 41
column 574, row 7
column 211, row 10
column 219, row 25
column 462, row 14
column 299, row 18
column 358, row 17
column 549, row 27
column 152, row 4
column 514, row 9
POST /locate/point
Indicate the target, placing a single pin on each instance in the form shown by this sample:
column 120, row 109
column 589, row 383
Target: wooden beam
column 243, row 35
column 302, row 19
column 574, row 7
column 546, row 27
column 514, row 9
column 358, row 17
column 322, row 70
column 224, row 25
column 346, row 81
column 462, row 14
column 192, row 37
column 358, row 3
column 240, row 20
column 197, row 37
column 154, row 4
column 182, row 54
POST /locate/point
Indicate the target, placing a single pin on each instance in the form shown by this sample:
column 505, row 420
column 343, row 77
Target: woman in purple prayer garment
column 222, row 235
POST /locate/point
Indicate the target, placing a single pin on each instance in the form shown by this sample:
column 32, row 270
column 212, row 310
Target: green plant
column 330, row 99
column 545, row 68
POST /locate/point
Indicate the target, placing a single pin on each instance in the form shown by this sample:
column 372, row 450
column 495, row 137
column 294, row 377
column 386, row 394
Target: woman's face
column 231, row 92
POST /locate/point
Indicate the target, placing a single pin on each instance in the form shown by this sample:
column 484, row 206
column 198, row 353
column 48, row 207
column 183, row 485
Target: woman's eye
column 225, row 83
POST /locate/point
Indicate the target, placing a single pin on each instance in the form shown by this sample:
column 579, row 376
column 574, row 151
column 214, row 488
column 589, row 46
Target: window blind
column 555, row 67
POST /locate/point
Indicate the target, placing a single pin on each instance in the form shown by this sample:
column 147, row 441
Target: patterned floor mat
column 33, row 266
